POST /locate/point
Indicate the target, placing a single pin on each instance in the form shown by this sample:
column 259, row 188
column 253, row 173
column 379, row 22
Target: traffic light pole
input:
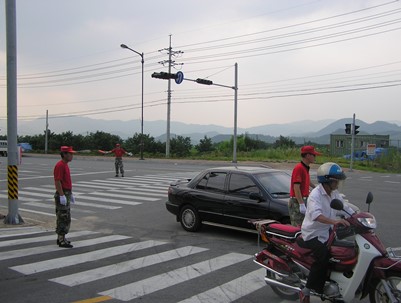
column 352, row 143
column 179, row 77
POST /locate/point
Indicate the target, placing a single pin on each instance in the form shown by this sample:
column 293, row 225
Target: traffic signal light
column 204, row 81
column 355, row 129
column 163, row 75
column 348, row 128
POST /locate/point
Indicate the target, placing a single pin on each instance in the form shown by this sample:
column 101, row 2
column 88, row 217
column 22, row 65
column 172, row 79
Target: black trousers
column 318, row 273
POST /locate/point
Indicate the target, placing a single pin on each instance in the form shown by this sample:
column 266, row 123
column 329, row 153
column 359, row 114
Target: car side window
column 242, row 185
column 213, row 181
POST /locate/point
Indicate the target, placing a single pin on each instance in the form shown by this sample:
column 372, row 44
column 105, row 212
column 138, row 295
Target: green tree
column 284, row 142
column 180, row 146
column 150, row 146
column 205, row 145
column 102, row 140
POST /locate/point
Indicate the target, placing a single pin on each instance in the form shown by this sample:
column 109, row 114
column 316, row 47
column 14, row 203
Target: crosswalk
column 116, row 262
column 100, row 194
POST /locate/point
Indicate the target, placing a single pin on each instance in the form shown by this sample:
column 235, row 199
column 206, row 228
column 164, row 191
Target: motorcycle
column 359, row 265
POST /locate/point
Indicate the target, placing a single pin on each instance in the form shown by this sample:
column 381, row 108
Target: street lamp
column 142, row 61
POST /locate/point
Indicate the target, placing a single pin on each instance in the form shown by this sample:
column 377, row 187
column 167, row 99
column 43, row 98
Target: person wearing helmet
column 300, row 183
column 319, row 219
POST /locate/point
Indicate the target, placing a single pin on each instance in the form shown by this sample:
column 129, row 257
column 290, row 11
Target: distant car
column 231, row 196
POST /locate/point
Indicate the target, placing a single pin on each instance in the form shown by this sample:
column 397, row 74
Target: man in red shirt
column 63, row 196
column 118, row 163
column 300, row 183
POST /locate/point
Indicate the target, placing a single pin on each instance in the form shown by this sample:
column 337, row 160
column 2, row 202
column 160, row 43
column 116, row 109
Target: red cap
column 308, row 149
column 67, row 149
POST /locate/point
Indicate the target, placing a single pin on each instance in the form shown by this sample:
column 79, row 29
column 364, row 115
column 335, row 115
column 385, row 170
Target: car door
column 208, row 196
column 240, row 207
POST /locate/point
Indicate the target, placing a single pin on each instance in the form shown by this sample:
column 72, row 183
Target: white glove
column 72, row 199
column 129, row 154
column 63, row 200
column 302, row 208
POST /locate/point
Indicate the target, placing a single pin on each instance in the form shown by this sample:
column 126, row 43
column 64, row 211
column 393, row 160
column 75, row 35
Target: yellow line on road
column 95, row 300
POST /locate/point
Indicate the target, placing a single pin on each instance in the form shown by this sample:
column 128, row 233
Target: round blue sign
column 179, row 77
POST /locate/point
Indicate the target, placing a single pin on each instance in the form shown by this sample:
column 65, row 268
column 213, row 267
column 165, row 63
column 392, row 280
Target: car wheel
column 190, row 219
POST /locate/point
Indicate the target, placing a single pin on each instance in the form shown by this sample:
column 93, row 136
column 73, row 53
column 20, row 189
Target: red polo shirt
column 300, row 175
column 62, row 174
column 119, row 152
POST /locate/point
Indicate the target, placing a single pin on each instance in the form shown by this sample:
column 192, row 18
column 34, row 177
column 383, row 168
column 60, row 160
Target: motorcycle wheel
column 377, row 294
column 282, row 292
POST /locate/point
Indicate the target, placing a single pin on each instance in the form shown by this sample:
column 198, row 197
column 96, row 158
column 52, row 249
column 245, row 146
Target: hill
column 299, row 131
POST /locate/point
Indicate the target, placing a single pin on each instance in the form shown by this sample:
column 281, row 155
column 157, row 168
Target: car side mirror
column 256, row 196
column 337, row 204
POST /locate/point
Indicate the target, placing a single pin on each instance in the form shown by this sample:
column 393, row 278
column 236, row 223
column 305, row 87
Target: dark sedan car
column 231, row 196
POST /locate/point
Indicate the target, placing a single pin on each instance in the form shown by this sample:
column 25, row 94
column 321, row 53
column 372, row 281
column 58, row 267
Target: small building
column 340, row 144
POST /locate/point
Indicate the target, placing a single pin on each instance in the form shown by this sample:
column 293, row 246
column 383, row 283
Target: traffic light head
column 348, row 128
column 355, row 129
column 163, row 75
column 204, row 81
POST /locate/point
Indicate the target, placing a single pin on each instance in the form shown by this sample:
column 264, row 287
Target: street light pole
column 142, row 62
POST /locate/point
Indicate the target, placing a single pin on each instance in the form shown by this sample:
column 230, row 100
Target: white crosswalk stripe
column 32, row 268
column 232, row 290
column 49, row 248
column 122, row 267
column 147, row 286
column 135, row 258
column 96, row 195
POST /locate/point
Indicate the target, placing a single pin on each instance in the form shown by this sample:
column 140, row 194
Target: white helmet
column 330, row 171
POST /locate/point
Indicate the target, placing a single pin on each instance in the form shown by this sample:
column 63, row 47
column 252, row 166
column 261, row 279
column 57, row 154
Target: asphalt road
column 127, row 247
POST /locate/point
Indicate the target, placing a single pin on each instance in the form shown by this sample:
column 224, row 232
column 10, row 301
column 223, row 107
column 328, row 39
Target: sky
column 297, row 60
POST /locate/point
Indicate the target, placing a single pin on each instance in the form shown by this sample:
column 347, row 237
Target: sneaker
column 122, row 176
column 116, row 175
column 303, row 298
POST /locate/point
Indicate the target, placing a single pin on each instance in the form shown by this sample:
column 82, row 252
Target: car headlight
column 368, row 222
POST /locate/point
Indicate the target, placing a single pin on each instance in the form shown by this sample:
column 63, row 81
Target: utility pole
column 352, row 142
column 235, row 113
column 171, row 63
column 168, row 103
column 13, row 216
column 47, row 130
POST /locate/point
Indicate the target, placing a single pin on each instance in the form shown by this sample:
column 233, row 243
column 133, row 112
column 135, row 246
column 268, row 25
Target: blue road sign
column 179, row 77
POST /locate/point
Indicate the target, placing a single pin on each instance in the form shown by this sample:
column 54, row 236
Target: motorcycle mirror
column 369, row 198
column 337, row 204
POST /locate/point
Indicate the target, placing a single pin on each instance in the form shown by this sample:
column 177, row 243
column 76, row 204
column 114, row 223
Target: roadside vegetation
column 248, row 149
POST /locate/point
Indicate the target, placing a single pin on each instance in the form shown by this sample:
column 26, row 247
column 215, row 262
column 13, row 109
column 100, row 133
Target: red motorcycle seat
column 284, row 230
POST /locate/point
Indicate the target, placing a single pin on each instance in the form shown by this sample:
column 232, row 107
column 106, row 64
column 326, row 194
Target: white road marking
column 232, row 290
column 130, row 197
column 32, row 268
column 49, row 248
column 98, row 199
column 143, row 287
column 44, row 238
column 119, row 268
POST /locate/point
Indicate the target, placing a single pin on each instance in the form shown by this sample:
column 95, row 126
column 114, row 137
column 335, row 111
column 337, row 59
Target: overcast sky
column 297, row 60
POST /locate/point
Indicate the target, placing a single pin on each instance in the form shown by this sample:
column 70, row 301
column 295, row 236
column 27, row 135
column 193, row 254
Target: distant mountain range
column 300, row 131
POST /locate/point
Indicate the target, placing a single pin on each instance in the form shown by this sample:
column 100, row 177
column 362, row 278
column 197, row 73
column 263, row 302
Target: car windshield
column 276, row 183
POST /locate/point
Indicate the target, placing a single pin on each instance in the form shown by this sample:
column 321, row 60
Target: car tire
column 190, row 219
